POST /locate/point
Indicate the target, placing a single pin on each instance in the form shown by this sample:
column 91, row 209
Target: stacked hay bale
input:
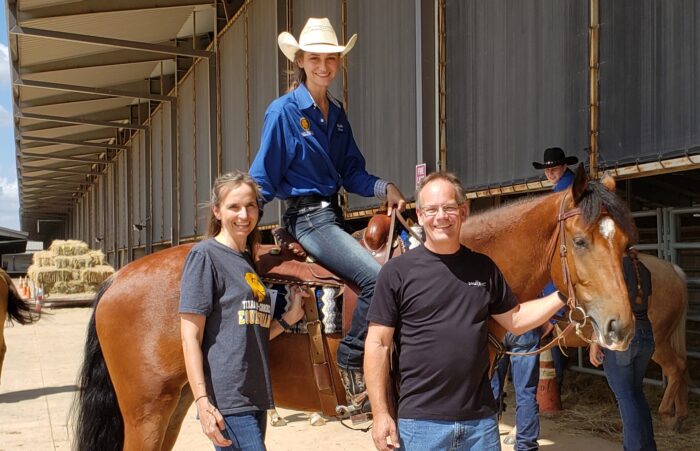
column 69, row 267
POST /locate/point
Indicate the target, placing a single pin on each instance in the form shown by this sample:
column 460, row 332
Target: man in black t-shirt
column 434, row 303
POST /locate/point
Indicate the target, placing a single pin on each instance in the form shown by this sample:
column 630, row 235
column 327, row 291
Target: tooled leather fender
column 281, row 265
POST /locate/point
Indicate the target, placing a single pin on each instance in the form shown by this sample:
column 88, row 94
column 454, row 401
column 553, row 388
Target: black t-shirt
column 440, row 306
column 638, row 308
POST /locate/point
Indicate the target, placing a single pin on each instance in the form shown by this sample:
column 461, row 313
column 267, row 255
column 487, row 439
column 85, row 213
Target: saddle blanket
column 330, row 307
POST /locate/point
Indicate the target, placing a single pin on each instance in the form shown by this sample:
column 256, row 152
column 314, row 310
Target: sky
column 9, row 202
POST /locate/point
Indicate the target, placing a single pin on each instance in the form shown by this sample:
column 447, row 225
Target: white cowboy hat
column 317, row 36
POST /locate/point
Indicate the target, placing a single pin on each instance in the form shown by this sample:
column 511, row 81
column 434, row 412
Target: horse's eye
column 580, row 242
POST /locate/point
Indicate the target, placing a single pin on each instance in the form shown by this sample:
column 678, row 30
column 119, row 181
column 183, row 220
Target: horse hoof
column 276, row 419
column 317, row 420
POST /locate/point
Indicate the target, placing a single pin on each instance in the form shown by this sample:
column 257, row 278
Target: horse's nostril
column 612, row 330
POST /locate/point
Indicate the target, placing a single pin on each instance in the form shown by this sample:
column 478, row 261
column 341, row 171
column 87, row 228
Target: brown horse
column 133, row 387
column 12, row 307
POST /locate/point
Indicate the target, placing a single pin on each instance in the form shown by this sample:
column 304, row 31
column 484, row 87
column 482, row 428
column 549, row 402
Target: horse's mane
column 598, row 196
column 595, row 197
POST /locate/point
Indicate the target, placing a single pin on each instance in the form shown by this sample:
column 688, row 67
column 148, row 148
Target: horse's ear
column 580, row 183
column 608, row 182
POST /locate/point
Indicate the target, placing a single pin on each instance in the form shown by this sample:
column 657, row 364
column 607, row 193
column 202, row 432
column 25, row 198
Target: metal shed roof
column 79, row 69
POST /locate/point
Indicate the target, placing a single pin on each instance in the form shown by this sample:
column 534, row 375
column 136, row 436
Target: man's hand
column 595, row 355
column 383, row 427
column 394, row 199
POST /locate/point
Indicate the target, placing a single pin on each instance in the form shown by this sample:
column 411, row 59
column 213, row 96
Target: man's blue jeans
column 246, row 430
column 425, row 435
column 526, row 376
column 322, row 234
column 625, row 373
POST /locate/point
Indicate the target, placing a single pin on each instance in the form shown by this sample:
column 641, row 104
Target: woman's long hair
column 222, row 185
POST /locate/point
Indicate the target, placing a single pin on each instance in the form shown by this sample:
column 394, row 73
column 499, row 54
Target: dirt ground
column 38, row 385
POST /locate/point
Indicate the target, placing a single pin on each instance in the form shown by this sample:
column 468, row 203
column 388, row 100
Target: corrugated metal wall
column 649, row 80
column 382, row 90
column 517, row 83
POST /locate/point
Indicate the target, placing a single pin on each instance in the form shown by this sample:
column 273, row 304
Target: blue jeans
column 424, row 435
column 625, row 372
column 526, row 376
column 322, row 234
column 246, row 430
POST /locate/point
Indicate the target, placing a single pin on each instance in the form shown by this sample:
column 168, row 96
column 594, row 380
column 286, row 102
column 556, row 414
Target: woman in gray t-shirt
column 226, row 321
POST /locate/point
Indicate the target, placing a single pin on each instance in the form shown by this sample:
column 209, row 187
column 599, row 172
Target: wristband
column 200, row 397
column 562, row 297
column 285, row 325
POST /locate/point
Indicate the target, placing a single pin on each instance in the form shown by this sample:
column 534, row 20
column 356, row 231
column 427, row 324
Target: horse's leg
column 3, row 349
column 146, row 420
column 672, row 410
column 177, row 418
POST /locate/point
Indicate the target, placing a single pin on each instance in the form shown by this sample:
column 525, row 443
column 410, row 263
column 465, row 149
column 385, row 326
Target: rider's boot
column 355, row 391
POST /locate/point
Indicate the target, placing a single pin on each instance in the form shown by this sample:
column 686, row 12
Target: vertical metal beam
column 593, row 75
column 129, row 206
column 442, row 85
column 215, row 148
column 419, row 81
column 174, row 179
column 149, row 189
column 113, row 207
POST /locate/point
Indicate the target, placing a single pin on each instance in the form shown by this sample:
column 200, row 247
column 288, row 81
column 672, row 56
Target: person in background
column 307, row 154
column 433, row 303
column 226, row 321
column 625, row 370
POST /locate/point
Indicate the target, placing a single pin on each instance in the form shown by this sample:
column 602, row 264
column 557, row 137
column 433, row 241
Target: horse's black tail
column 97, row 418
column 17, row 308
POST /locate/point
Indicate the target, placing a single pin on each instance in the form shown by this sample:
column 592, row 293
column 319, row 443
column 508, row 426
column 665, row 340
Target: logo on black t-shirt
column 254, row 311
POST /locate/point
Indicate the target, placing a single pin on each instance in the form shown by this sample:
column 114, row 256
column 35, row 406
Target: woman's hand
column 296, row 309
column 394, row 199
column 212, row 422
column 595, row 355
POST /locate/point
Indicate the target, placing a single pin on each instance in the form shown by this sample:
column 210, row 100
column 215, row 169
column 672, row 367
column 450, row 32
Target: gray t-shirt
column 221, row 284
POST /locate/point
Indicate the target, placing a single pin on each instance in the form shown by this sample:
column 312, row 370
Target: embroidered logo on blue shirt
column 305, row 127
column 340, row 128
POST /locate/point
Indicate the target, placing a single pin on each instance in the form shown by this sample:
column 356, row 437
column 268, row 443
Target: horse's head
column 595, row 240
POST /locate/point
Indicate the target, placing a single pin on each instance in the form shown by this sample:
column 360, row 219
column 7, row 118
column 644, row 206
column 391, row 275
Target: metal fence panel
column 109, row 204
column 136, row 198
column 144, row 216
column 188, row 127
column 517, row 83
column 649, row 80
column 382, row 90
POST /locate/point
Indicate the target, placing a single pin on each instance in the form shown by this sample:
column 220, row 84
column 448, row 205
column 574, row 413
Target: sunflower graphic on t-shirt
column 255, row 285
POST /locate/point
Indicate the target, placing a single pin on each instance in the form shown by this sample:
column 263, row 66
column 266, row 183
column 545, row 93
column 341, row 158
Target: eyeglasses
column 448, row 209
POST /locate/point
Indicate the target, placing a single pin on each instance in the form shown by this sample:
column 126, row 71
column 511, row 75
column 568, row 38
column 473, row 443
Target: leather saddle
column 288, row 262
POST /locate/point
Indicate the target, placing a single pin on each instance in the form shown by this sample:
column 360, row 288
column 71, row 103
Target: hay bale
column 48, row 276
column 97, row 275
column 97, row 258
column 69, row 247
column 43, row 258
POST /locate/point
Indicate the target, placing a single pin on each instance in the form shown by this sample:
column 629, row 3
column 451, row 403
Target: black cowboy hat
column 554, row 156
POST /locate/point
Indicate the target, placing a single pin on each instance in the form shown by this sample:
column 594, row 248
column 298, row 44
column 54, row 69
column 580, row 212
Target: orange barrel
column 548, row 396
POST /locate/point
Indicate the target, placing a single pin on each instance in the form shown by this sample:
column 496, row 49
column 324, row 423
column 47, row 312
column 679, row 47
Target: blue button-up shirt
column 303, row 154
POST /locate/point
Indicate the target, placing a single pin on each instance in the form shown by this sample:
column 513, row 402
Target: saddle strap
column 390, row 240
column 319, row 360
